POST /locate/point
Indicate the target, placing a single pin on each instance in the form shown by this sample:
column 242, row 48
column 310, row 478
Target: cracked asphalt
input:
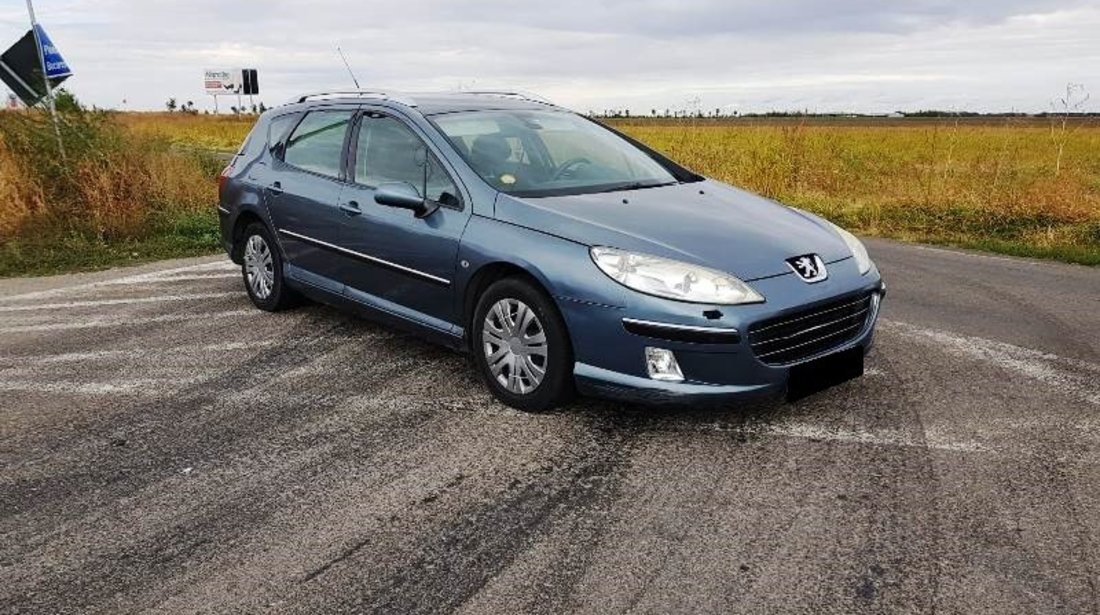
column 166, row 448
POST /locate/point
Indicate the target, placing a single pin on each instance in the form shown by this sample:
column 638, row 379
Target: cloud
column 862, row 55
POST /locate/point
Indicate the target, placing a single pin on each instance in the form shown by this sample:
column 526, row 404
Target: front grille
column 801, row 335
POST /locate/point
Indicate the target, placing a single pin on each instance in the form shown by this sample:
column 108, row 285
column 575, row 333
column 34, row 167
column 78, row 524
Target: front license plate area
column 824, row 372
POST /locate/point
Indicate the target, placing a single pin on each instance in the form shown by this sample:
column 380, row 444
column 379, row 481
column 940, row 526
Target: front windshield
column 547, row 153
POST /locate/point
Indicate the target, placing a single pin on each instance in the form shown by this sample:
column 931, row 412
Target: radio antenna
column 348, row 66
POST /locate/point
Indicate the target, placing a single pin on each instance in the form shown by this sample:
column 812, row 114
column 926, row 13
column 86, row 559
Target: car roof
column 433, row 103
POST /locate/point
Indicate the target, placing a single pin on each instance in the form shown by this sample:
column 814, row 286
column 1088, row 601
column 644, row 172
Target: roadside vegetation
column 140, row 186
column 1026, row 187
column 119, row 196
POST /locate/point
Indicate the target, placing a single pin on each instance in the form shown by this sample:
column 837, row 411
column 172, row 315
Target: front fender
column 564, row 268
column 584, row 295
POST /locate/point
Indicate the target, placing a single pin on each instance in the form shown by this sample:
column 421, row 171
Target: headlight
column 653, row 275
column 859, row 251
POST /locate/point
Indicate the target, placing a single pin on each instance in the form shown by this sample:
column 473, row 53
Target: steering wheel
column 568, row 165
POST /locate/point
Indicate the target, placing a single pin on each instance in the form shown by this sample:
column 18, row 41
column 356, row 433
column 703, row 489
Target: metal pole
column 46, row 81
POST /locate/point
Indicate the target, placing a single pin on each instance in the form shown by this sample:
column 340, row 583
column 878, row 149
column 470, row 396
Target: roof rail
column 517, row 94
column 379, row 94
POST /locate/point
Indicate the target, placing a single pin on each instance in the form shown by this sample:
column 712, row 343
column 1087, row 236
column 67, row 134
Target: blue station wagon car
column 563, row 255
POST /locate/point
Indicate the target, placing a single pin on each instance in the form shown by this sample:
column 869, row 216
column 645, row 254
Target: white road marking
column 224, row 266
column 119, row 387
column 135, row 353
column 232, row 275
column 122, row 322
column 991, row 257
column 1060, row 372
column 123, row 301
column 931, row 439
column 815, row 432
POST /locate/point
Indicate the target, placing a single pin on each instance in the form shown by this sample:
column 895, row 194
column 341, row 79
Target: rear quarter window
column 278, row 127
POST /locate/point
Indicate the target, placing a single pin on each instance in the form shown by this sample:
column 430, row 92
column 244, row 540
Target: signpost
column 53, row 67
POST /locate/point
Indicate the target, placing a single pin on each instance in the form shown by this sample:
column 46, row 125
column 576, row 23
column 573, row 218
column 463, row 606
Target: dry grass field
column 1018, row 186
column 1001, row 186
column 121, row 195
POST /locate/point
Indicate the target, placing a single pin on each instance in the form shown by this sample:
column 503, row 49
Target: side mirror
column 404, row 196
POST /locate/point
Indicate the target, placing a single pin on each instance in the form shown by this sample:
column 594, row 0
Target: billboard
column 220, row 81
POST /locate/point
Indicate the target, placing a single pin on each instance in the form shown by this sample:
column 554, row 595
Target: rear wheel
column 262, row 268
column 521, row 347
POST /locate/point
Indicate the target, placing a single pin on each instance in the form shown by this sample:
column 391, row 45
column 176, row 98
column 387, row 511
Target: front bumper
column 610, row 359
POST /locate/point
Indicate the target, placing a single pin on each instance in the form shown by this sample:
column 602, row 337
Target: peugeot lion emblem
column 809, row 267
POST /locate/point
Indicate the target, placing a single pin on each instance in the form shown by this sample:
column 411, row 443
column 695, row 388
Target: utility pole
column 46, row 81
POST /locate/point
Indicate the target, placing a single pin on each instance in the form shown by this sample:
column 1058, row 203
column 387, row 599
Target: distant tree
column 263, row 107
column 66, row 101
column 235, row 110
column 171, row 105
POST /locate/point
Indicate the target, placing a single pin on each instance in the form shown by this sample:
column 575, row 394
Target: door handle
column 276, row 188
column 351, row 208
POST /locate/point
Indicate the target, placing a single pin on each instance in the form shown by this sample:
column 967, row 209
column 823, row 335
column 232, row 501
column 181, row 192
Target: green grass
column 188, row 235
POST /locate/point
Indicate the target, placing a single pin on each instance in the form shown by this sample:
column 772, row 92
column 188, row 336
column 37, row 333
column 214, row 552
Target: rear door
column 303, row 195
column 406, row 262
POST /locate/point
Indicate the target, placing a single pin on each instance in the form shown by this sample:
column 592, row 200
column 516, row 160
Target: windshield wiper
column 635, row 186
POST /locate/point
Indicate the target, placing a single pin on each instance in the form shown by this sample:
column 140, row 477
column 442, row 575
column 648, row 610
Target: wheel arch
column 486, row 276
column 243, row 220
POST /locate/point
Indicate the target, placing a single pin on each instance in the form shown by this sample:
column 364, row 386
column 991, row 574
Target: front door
column 408, row 264
column 303, row 196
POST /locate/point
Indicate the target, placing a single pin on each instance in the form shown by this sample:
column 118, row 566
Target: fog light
column 662, row 365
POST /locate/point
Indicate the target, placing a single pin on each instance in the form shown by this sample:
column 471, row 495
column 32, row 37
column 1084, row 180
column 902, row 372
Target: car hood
column 707, row 223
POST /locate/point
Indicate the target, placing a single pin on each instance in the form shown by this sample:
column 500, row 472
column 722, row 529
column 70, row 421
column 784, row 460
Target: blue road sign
column 56, row 67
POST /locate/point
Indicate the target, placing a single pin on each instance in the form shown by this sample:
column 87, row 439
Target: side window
column 318, row 142
column 277, row 127
column 388, row 151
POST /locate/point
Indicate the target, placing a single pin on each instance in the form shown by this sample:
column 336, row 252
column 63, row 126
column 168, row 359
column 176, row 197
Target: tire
column 262, row 270
column 519, row 370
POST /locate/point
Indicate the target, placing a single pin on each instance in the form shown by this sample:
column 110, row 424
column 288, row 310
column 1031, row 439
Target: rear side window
column 318, row 142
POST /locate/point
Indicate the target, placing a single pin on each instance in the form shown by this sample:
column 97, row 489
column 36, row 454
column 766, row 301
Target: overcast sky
column 821, row 55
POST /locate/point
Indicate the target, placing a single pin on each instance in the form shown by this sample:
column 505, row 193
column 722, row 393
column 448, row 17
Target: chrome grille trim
column 812, row 332
column 793, row 320
column 813, row 328
column 816, row 339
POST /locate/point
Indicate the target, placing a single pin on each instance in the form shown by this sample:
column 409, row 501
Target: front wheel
column 521, row 347
column 262, row 268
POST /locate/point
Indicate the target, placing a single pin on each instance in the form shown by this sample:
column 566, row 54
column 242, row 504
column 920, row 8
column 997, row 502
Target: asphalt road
column 164, row 447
